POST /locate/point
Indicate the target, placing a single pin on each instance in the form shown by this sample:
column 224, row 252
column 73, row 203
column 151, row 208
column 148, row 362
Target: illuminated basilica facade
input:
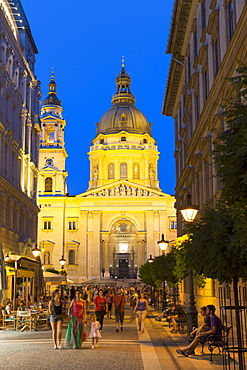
column 114, row 226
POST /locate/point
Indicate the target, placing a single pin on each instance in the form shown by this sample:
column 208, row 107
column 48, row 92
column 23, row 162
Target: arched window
column 136, row 171
column 123, row 170
column 111, row 174
column 48, row 184
column 71, row 257
column 51, row 137
column 47, row 258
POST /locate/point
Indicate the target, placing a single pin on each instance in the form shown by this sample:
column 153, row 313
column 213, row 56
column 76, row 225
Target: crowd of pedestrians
column 75, row 304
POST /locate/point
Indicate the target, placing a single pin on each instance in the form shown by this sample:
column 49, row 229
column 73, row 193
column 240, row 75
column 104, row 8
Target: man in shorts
column 206, row 324
column 202, row 336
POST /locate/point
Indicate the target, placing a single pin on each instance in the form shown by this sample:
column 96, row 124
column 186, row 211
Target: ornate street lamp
column 62, row 262
column 150, row 260
column 189, row 213
column 163, row 244
column 7, row 258
column 36, row 251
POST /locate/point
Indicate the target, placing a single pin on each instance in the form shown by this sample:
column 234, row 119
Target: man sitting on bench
column 205, row 326
column 176, row 314
column 202, row 337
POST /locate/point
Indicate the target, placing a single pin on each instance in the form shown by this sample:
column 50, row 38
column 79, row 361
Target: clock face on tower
column 49, row 161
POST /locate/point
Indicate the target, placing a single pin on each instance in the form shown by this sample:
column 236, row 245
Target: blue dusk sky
column 84, row 41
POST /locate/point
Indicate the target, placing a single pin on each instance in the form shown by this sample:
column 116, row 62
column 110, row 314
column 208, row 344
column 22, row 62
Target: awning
column 54, row 279
column 20, row 273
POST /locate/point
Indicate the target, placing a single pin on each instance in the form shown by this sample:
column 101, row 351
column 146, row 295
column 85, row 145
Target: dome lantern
column 123, row 115
column 123, row 82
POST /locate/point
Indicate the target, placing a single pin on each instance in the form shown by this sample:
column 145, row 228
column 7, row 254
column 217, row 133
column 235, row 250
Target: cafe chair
column 9, row 321
column 43, row 320
column 24, row 320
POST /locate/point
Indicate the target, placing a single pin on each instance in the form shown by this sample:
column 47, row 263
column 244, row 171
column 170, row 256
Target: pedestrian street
column 155, row 349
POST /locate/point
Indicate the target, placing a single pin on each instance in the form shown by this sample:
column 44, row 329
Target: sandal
column 180, row 352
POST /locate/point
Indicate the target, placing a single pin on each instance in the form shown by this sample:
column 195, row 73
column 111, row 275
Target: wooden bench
column 222, row 344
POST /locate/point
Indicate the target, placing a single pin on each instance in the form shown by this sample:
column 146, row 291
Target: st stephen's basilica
column 112, row 227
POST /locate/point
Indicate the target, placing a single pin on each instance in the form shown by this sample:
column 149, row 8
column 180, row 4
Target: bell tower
column 52, row 154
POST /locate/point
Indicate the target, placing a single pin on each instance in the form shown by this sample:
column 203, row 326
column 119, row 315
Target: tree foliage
column 230, row 153
column 146, row 274
column 213, row 248
column 162, row 269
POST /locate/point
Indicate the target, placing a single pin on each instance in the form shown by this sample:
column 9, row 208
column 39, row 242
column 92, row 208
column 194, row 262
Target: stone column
column 94, row 246
column 141, row 247
column 106, row 256
column 83, row 248
column 150, row 249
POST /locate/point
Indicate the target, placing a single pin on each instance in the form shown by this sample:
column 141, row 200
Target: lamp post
column 63, row 260
column 110, row 271
column 150, row 260
column 36, row 251
column 189, row 213
column 163, row 244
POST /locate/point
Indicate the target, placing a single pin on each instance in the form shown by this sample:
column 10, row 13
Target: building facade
column 19, row 131
column 114, row 226
column 207, row 42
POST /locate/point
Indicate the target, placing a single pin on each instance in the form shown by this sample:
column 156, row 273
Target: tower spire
column 52, row 98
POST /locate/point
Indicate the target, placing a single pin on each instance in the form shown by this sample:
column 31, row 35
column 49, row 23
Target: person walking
column 109, row 299
column 119, row 301
column 100, row 307
column 72, row 293
column 55, row 310
column 141, row 309
column 87, row 298
column 94, row 333
column 75, row 330
column 133, row 300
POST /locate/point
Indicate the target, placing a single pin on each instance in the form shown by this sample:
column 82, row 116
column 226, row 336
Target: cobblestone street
column 153, row 350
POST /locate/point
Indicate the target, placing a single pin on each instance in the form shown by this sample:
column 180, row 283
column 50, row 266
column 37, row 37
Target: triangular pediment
column 123, row 188
column 49, row 169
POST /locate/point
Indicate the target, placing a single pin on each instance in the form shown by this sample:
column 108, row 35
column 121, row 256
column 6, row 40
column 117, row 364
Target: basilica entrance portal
column 124, row 246
column 123, row 268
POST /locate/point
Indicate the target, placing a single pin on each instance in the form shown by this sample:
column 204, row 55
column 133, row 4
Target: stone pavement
column 153, row 350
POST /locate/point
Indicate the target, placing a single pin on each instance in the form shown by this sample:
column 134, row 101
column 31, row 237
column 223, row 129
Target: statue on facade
column 151, row 171
column 95, row 172
column 122, row 190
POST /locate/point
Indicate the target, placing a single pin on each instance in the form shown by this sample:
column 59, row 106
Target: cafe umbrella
column 3, row 275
